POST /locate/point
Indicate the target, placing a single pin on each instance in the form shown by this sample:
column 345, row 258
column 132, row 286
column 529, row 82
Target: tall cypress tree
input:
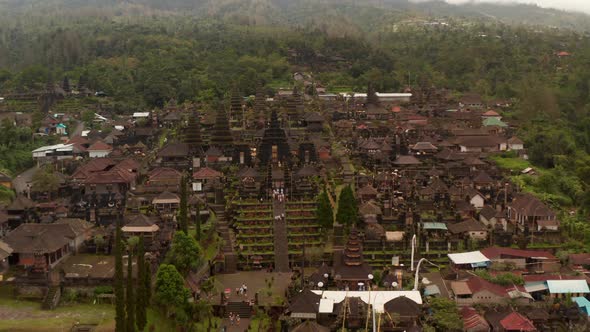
column 198, row 222
column 119, row 288
column 130, row 306
column 347, row 207
column 141, row 303
column 182, row 214
column 324, row 211
column 148, row 283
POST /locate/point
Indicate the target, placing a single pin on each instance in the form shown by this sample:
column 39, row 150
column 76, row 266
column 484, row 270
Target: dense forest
column 144, row 53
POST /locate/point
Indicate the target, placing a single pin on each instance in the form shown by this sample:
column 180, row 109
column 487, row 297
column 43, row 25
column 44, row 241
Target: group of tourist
column 278, row 194
column 243, row 290
column 234, row 319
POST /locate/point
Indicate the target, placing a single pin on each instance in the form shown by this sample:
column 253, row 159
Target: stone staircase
column 240, row 308
column 281, row 241
column 51, row 299
column 224, row 231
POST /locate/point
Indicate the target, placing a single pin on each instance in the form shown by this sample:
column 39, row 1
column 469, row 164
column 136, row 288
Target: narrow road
column 281, row 241
column 78, row 130
column 20, row 182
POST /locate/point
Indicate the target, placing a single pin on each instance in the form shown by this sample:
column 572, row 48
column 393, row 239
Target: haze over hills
column 368, row 15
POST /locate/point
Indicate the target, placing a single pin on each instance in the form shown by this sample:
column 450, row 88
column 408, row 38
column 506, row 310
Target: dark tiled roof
column 174, row 150
column 4, row 177
column 502, row 252
column 310, row 326
column 41, row 238
column 469, row 225
column 99, row 146
column 20, row 203
column 407, row 160
column 306, row 302
column 529, row 205
column 404, row 307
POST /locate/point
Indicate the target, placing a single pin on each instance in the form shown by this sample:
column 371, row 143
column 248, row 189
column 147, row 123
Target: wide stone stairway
column 281, row 241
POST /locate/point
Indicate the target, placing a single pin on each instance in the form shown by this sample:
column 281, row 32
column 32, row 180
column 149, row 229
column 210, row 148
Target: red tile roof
column 164, row 173
column 94, row 165
column 100, row 146
column 545, row 277
column 517, row 322
column 491, row 113
column 501, row 252
column 114, row 175
column 472, row 319
column 477, row 284
column 207, row 173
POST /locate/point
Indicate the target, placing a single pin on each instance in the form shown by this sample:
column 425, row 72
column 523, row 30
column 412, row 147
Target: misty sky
column 578, row 5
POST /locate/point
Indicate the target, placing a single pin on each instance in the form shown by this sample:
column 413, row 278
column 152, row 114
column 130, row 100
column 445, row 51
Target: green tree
column 347, row 213
column 87, row 117
column 198, row 222
column 184, row 252
column 445, row 315
column 130, row 298
column 45, row 180
column 99, row 242
column 324, row 212
column 148, row 283
column 141, row 302
column 119, row 288
column 183, row 210
column 170, row 291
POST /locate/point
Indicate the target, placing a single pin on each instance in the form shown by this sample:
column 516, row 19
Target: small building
column 563, row 288
column 492, row 217
column 42, row 246
column 476, row 290
column 205, row 179
column 583, row 304
column 469, row 228
column 473, row 321
column 166, row 202
column 515, row 144
column 141, row 225
column 527, row 210
column 531, row 260
column 469, row 260
column 99, row 150
column 516, row 322
column 5, row 180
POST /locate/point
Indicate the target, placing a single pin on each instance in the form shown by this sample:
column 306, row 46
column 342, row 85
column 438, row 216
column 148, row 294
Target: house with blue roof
column 583, row 304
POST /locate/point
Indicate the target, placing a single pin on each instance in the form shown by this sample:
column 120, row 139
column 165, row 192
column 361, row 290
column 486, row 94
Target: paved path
column 20, row 181
column 78, row 130
column 257, row 282
column 241, row 327
column 281, row 241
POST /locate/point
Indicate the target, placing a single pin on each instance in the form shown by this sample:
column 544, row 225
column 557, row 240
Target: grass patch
column 26, row 316
column 511, row 163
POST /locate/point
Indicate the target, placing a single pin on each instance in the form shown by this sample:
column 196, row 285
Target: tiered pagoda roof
column 354, row 252
column 295, row 105
column 192, row 136
column 235, row 108
column 352, row 266
column 260, row 103
column 221, row 134
column 274, row 135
